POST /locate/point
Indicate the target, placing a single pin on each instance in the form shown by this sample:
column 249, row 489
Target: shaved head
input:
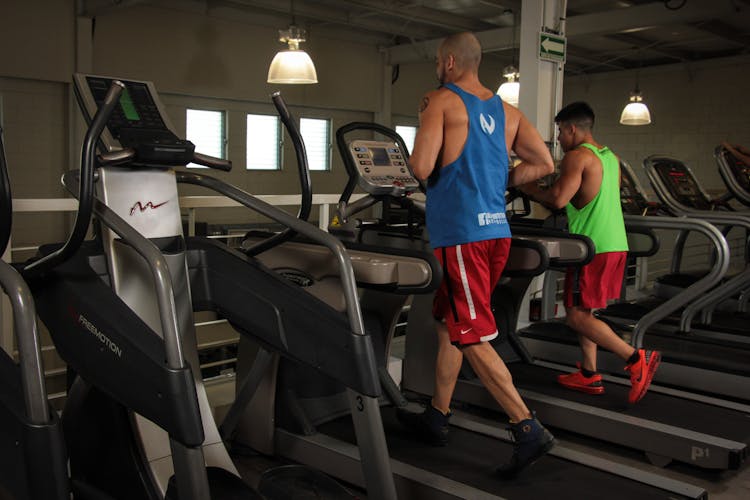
column 465, row 49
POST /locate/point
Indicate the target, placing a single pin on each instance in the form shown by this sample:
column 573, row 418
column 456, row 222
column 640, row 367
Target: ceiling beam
column 93, row 8
column 724, row 31
column 628, row 19
column 642, row 44
column 425, row 15
column 324, row 15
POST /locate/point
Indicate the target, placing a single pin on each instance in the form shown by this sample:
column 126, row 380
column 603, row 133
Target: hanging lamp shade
column 635, row 112
column 509, row 89
column 292, row 65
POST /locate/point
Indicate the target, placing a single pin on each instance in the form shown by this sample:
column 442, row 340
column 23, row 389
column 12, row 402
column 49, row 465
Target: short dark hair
column 577, row 113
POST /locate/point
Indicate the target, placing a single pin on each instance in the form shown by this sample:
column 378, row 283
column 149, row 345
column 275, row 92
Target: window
column 408, row 134
column 207, row 131
column 263, row 142
column 317, row 136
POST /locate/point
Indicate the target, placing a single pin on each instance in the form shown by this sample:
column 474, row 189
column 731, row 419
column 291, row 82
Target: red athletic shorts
column 470, row 273
column 592, row 285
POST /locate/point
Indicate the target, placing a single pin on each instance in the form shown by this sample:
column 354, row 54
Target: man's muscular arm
column 535, row 157
column 429, row 139
column 565, row 187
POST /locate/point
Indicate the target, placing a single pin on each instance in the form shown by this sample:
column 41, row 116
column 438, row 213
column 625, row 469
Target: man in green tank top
column 589, row 189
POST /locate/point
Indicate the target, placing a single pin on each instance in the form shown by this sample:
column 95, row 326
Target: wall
column 416, row 79
column 693, row 107
column 196, row 60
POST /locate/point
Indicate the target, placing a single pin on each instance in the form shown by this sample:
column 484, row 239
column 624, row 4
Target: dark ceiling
column 603, row 35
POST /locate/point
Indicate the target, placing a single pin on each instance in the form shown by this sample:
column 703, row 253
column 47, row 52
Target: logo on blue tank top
column 488, row 127
column 489, row 218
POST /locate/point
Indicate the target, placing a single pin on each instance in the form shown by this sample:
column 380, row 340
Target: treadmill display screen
column 682, row 185
column 137, row 109
column 380, row 157
column 128, row 108
column 739, row 169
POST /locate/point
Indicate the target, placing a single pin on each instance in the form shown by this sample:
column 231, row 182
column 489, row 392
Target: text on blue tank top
column 466, row 202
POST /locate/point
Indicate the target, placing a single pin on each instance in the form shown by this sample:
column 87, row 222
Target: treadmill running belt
column 671, row 410
column 470, row 458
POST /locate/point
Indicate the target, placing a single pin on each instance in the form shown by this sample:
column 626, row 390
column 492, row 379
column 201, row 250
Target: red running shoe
column 578, row 382
column 641, row 374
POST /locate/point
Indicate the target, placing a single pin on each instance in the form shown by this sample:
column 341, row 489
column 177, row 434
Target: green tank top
column 601, row 218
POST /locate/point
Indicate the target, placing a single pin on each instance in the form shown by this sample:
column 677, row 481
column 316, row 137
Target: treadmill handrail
column 725, row 290
column 348, row 283
column 696, row 289
column 27, row 336
column 736, row 284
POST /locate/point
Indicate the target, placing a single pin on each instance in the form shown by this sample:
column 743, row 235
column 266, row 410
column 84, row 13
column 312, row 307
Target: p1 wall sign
column 552, row 47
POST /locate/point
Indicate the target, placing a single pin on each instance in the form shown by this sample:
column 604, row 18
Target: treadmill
column 736, row 175
column 311, row 424
column 710, row 362
column 656, row 426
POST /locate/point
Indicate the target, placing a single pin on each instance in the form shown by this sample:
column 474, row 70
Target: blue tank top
column 466, row 199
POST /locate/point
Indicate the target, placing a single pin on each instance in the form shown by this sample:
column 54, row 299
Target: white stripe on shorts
column 487, row 338
column 465, row 282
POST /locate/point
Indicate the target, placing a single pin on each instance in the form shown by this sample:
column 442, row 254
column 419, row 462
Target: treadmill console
column 631, row 196
column 740, row 171
column 139, row 122
column 381, row 167
column 681, row 184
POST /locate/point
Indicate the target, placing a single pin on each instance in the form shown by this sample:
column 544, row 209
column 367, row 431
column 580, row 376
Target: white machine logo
column 487, row 126
column 88, row 325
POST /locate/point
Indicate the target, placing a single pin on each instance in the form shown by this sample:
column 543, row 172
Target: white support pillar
column 541, row 81
column 383, row 113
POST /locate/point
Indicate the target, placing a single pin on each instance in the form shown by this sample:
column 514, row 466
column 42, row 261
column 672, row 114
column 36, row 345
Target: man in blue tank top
column 462, row 148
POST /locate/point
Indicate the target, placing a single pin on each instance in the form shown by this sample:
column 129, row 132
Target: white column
column 383, row 113
column 541, row 81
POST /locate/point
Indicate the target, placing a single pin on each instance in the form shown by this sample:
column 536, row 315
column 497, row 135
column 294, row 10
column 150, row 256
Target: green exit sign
column 552, row 47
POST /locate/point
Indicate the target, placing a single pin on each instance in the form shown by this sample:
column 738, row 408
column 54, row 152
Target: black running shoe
column 430, row 426
column 531, row 442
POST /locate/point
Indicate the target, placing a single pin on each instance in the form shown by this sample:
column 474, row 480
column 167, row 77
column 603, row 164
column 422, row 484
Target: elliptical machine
column 133, row 419
column 116, row 317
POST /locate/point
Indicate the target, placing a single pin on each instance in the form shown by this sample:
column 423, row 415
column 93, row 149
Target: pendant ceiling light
column 509, row 89
column 292, row 65
column 635, row 112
